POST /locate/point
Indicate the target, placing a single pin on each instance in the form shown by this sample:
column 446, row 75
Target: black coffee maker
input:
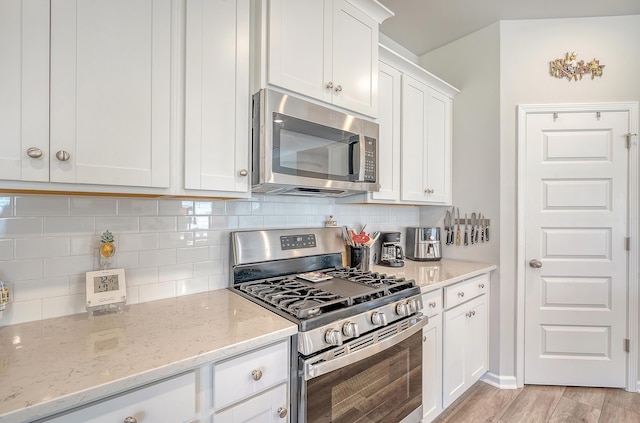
column 390, row 251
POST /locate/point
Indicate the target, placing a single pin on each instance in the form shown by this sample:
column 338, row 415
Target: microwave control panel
column 369, row 159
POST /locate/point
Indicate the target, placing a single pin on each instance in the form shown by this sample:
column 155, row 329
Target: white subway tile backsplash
column 63, row 306
column 66, row 266
column 117, row 224
column 157, row 257
column 6, row 206
column 168, row 247
column 137, row 207
column 69, row 225
column 20, row 270
column 158, row 224
column 40, row 288
column 175, row 272
column 42, row 206
column 42, row 247
column 14, row 227
column 175, row 208
column 156, row 291
column 89, row 206
column 191, row 255
column 6, row 249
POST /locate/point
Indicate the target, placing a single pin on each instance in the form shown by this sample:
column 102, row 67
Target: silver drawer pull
column 244, row 172
column 256, row 374
column 481, row 286
column 282, row 412
column 130, row 420
column 461, row 294
column 432, row 304
column 471, row 313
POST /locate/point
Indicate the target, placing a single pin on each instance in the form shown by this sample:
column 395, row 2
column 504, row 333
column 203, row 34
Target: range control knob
column 350, row 329
column 378, row 318
column 403, row 309
column 414, row 305
column 333, row 337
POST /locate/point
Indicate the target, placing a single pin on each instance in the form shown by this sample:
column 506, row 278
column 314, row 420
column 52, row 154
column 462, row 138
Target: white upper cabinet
column 110, row 92
column 327, row 50
column 426, row 143
column 217, row 97
column 24, row 90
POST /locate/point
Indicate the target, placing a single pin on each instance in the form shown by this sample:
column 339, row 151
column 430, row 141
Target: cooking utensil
column 486, row 231
column 482, row 227
column 466, row 231
column 457, row 226
column 477, row 231
column 473, row 227
column 447, row 225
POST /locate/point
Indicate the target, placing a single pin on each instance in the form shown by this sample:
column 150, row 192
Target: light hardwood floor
column 543, row 404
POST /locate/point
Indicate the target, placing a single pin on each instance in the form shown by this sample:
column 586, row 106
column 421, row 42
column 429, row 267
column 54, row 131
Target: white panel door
column 24, row 90
column 110, row 92
column 576, row 220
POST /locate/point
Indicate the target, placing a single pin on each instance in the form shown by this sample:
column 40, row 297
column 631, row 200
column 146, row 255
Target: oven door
column 374, row 378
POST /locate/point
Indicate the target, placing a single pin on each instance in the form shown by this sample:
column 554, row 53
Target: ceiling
column 424, row 25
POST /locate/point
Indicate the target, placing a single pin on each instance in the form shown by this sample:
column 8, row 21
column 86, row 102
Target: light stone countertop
column 430, row 275
column 51, row 365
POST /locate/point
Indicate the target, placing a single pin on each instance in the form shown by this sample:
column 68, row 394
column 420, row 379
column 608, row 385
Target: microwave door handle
column 356, row 157
column 312, row 370
column 362, row 157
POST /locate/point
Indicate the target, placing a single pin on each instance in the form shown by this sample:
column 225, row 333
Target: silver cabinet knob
column 329, row 85
column 34, row 152
column 63, row 156
column 378, row 318
column 461, row 294
column 350, row 329
column 256, row 374
column 282, row 412
column 429, row 191
column 535, row 263
column 432, row 304
column 130, row 420
column 243, row 172
column 481, row 286
column 333, row 337
column 339, row 88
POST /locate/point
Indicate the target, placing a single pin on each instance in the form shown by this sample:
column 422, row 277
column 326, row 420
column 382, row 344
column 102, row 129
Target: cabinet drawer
column 432, row 303
column 172, row 400
column 466, row 290
column 240, row 377
column 266, row 407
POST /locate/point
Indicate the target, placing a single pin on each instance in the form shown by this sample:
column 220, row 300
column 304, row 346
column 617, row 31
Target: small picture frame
column 106, row 290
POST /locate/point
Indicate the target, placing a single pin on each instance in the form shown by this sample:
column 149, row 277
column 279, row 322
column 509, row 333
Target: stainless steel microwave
column 302, row 148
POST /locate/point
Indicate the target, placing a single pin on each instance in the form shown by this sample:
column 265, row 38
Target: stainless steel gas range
column 359, row 342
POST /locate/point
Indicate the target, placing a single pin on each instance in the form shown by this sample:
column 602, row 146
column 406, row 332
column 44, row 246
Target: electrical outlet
column 4, row 295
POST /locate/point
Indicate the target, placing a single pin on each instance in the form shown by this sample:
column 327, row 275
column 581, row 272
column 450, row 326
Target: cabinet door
column 426, row 144
column 477, row 339
column 217, row 98
column 110, row 92
column 172, row 400
column 432, row 368
column 24, row 88
column 454, row 354
column 355, row 59
column 300, row 46
column 264, row 408
column 390, row 84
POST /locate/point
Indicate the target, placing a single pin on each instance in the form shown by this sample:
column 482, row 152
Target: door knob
column 535, row 263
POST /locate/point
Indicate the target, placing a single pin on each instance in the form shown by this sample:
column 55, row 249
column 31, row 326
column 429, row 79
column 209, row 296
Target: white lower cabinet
column 171, row 400
column 432, row 369
column 465, row 345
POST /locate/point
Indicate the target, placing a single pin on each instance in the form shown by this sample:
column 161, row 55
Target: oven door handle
column 320, row 365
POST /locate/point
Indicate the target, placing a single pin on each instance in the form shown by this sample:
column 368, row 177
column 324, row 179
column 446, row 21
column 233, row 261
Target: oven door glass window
column 311, row 150
column 385, row 387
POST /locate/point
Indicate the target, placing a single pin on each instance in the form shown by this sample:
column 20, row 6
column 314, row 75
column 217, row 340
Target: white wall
column 168, row 247
column 526, row 48
column 476, row 148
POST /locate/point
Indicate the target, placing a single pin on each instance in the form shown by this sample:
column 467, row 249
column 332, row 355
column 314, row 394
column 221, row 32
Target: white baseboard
column 502, row 382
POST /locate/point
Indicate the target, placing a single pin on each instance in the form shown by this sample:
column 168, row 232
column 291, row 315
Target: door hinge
column 627, row 343
column 627, row 243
